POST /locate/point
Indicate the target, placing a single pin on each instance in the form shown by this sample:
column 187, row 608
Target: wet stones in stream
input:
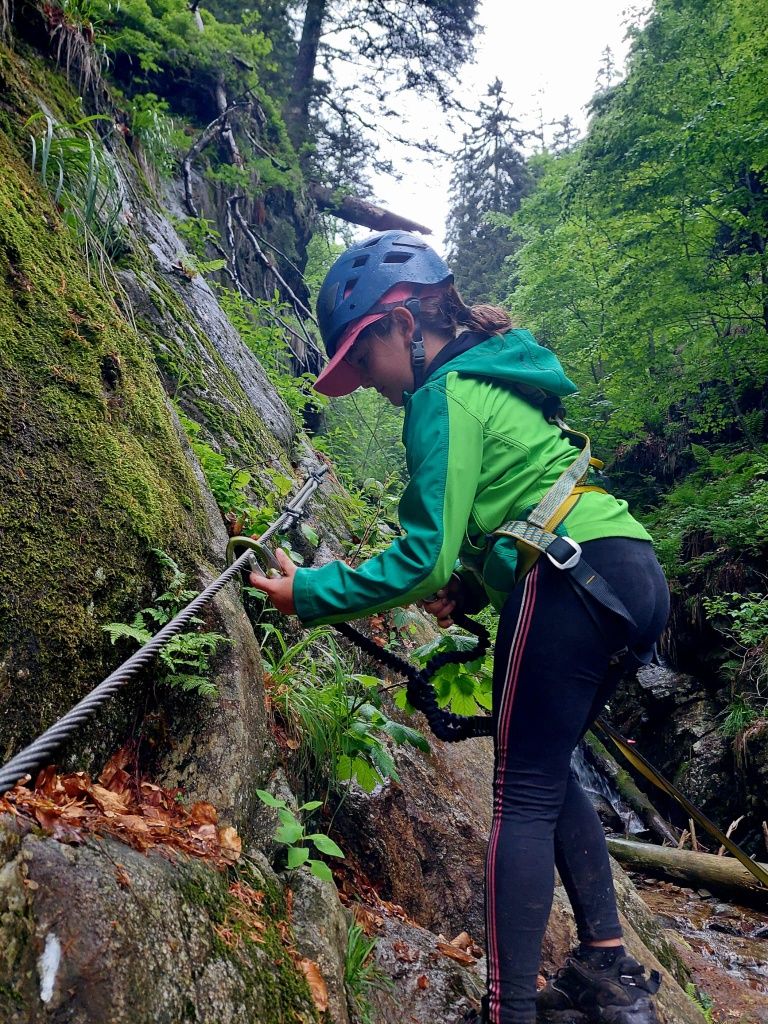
column 724, row 946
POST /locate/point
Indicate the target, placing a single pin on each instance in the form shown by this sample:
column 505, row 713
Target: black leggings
column 552, row 676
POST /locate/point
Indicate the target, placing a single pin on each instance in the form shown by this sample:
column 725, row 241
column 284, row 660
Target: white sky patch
column 48, row 966
column 547, row 54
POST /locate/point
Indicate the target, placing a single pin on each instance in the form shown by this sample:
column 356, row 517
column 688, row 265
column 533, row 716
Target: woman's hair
column 447, row 313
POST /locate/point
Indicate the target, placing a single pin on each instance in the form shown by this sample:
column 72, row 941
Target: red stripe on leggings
column 522, row 628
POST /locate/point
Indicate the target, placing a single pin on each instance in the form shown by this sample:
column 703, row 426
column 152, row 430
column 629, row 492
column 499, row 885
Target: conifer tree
column 490, row 177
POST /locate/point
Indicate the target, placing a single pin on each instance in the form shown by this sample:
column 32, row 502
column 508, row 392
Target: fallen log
column 723, row 875
column 629, row 792
column 360, row 211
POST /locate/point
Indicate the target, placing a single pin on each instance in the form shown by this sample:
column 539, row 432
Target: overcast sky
column 547, row 54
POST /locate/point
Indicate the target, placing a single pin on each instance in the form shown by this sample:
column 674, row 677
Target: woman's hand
column 444, row 602
column 278, row 590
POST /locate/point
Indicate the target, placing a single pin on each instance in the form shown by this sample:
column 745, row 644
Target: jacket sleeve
column 444, row 447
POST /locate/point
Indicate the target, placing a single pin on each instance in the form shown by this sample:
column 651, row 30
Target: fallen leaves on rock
column 455, row 953
column 404, row 953
column 316, row 983
column 126, row 806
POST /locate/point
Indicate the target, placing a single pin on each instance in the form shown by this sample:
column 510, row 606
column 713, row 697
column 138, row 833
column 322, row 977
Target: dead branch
column 301, row 309
column 719, row 874
column 205, row 136
column 729, row 832
column 360, row 211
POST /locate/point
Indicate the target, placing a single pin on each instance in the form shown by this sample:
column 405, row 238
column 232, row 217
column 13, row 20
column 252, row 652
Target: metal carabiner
column 262, row 561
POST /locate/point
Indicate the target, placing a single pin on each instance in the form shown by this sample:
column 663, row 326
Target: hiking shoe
column 619, row 994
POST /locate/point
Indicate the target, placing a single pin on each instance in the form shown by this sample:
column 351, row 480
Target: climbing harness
column 535, row 535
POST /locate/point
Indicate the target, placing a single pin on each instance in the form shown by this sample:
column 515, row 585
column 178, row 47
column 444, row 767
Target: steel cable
column 40, row 749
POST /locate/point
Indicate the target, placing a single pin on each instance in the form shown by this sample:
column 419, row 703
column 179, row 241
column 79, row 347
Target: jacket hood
column 516, row 358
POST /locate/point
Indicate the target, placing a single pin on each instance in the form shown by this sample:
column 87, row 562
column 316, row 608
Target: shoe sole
column 641, row 1012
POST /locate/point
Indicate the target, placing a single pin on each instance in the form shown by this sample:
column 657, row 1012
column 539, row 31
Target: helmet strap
column 418, row 355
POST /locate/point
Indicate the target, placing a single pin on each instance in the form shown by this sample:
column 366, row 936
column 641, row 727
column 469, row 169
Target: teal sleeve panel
column 444, row 446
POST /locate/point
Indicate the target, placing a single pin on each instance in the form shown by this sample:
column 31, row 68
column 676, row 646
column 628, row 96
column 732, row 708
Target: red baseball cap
column 341, row 378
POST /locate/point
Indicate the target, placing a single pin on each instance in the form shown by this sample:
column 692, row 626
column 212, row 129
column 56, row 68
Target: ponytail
column 448, row 313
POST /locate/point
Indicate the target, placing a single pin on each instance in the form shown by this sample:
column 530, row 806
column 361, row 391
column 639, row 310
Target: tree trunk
column 359, row 211
column 297, row 109
column 720, row 874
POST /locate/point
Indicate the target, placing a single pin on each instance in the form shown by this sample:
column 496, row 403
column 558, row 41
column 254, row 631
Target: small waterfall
column 591, row 781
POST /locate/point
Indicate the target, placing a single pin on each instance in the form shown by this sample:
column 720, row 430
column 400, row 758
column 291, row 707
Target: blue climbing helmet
column 362, row 286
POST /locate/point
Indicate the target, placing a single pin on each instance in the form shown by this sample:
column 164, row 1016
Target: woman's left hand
column 280, row 589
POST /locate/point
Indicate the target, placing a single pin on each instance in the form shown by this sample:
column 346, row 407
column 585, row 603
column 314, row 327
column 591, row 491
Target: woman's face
column 384, row 361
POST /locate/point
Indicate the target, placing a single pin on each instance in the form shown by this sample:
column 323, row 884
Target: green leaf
column 321, row 870
column 325, row 844
column 289, row 834
column 268, row 799
column 312, row 805
column 367, row 681
column 310, row 534
column 297, row 856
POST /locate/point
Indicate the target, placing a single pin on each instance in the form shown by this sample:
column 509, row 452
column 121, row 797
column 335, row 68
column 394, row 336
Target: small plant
column 293, row 834
column 335, row 712
column 361, row 974
column 196, row 232
column 465, row 689
column 739, row 715
column 72, row 26
column 81, row 178
column 185, row 658
column 191, row 266
column 701, row 999
column 155, row 131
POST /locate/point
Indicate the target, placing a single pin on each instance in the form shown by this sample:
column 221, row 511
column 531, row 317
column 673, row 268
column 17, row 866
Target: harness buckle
column 571, row 553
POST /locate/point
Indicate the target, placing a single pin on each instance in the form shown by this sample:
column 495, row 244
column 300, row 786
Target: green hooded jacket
column 478, row 455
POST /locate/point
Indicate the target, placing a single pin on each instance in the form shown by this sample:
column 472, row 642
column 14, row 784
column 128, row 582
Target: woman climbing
column 499, row 507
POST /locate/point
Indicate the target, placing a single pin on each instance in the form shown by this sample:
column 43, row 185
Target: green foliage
column 292, row 832
column 644, row 247
column 232, row 489
column 701, row 999
column 362, row 975
column 335, row 711
column 464, row 689
column 80, row 175
column 153, row 126
column 739, row 715
column 185, row 659
column 196, row 232
column 163, row 38
column 267, row 329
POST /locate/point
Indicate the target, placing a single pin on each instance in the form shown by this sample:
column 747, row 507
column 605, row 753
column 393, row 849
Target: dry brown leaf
column 316, row 984
column 107, row 801
column 122, row 876
column 462, row 941
column 404, row 953
column 203, row 814
column 455, row 954
column 422, row 981
column 231, row 844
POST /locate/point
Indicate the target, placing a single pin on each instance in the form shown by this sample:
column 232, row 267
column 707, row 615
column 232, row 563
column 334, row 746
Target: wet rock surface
column 723, row 946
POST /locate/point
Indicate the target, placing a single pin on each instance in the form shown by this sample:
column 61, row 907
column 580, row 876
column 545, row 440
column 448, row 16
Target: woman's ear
column 403, row 323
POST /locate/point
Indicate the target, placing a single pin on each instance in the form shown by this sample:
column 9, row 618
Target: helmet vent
column 360, row 261
column 397, row 257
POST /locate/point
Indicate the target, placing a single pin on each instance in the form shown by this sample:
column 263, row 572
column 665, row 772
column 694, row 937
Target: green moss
column 92, row 474
column 273, row 986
